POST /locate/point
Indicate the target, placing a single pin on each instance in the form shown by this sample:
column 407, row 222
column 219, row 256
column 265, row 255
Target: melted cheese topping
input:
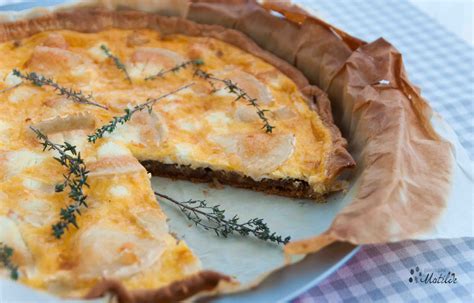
column 123, row 233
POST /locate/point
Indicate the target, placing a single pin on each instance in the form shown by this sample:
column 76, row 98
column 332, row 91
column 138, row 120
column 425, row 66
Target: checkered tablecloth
column 443, row 66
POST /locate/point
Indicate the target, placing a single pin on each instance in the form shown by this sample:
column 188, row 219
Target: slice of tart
column 121, row 234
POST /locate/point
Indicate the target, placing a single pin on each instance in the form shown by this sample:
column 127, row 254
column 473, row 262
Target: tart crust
column 204, row 281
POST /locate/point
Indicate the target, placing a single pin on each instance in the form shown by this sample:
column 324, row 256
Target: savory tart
column 112, row 104
column 122, row 234
column 194, row 97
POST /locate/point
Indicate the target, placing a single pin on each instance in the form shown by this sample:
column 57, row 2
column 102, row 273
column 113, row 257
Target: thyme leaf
column 116, row 61
column 75, row 179
column 162, row 73
column 213, row 218
column 6, row 253
column 240, row 93
column 75, row 96
column 112, row 124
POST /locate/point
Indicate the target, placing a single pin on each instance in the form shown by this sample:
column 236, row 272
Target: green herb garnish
column 195, row 63
column 9, row 88
column 116, row 61
column 76, row 96
column 233, row 88
column 75, row 179
column 213, row 218
column 6, row 253
column 112, row 125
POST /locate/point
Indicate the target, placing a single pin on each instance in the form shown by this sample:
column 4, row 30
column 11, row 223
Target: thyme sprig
column 176, row 68
column 213, row 218
column 116, row 61
column 6, row 253
column 75, row 179
column 75, row 96
column 240, row 93
column 112, row 124
column 9, row 88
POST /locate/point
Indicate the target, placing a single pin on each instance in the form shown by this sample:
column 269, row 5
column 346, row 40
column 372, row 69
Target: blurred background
column 455, row 15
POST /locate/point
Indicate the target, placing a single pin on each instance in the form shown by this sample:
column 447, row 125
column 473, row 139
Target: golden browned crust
column 203, row 281
column 96, row 19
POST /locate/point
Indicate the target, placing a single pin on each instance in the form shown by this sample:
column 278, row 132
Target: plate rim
column 322, row 277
